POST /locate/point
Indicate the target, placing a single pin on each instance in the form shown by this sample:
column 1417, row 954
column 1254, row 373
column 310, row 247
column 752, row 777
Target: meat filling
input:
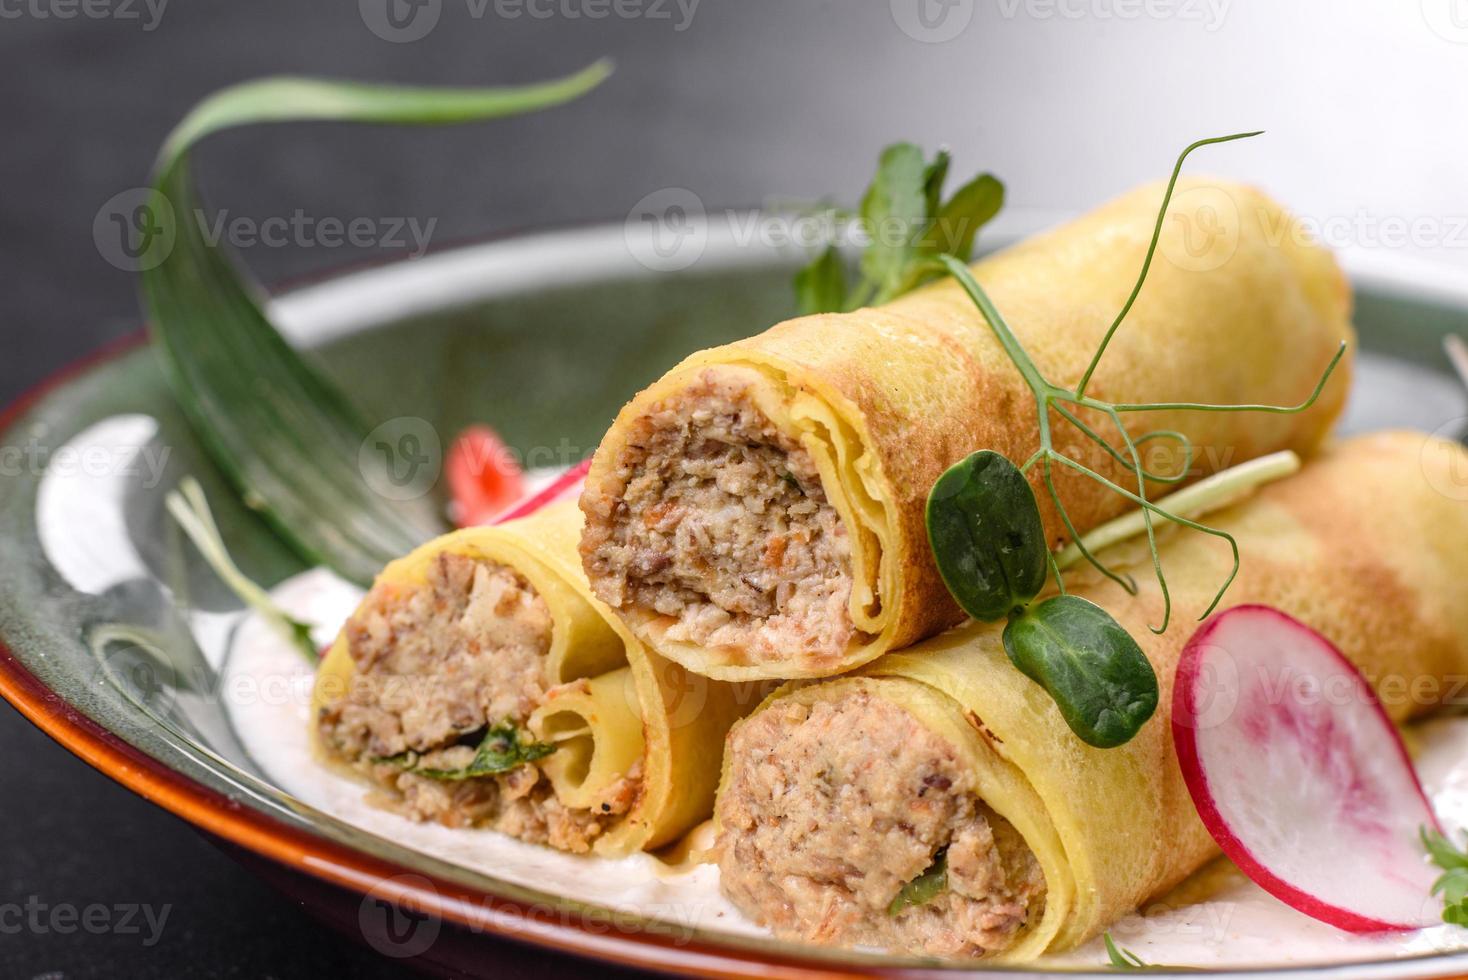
column 436, row 666
column 718, row 522
column 831, row 809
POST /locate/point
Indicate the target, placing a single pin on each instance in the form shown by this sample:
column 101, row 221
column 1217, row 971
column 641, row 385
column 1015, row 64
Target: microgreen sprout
column 985, row 545
column 1051, row 396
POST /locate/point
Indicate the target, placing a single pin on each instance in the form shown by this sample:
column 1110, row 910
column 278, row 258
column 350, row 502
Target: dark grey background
column 1069, row 100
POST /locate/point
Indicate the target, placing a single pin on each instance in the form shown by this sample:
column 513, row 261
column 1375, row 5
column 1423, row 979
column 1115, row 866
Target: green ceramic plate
column 498, row 332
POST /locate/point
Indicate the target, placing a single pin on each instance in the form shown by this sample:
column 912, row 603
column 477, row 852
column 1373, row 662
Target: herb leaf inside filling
column 925, row 887
column 500, row 751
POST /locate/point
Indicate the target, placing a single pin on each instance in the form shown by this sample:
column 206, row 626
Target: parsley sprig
column 909, row 227
column 502, row 749
column 1452, row 884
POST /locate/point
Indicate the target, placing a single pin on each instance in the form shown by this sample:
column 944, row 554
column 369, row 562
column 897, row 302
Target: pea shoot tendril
column 990, row 545
column 1063, row 400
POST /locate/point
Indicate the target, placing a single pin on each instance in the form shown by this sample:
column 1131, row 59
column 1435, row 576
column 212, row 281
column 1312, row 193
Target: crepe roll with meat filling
column 842, row 799
column 758, row 512
column 479, row 684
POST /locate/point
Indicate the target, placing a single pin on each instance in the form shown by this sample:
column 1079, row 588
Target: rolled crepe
column 836, row 793
column 758, row 512
column 494, row 628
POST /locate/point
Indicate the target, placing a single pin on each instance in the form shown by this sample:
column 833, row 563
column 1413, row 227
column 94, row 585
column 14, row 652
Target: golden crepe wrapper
column 635, row 704
column 1368, row 544
column 1238, row 307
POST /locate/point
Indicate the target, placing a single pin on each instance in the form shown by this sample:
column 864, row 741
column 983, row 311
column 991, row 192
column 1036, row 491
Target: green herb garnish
column 982, row 529
column 501, row 750
column 987, row 536
column 1100, row 679
column 925, row 887
column 1122, row 958
column 1452, row 885
column 989, row 544
column 285, row 435
column 909, row 227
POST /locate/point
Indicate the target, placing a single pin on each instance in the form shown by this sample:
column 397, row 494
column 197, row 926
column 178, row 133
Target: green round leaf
column 987, row 537
column 1100, row 679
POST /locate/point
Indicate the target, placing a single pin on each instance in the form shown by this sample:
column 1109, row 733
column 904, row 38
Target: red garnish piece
column 484, row 478
column 1300, row 775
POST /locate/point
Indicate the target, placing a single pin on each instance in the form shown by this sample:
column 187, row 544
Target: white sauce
column 1217, row 919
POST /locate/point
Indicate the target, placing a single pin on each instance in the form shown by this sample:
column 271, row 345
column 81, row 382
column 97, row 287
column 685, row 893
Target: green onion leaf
column 501, row 751
column 925, row 887
column 987, row 537
column 286, row 436
column 190, row 509
column 1100, row 679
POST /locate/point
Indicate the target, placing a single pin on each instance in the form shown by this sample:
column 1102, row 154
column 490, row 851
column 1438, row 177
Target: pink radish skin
column 1299, row 775
column 563, row 486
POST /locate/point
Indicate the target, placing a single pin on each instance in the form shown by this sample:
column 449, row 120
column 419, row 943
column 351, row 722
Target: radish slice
column 1299, row 774
column 483, row 476
column 563, row 486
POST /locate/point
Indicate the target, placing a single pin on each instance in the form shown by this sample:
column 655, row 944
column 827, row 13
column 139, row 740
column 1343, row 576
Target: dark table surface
column 738, row 100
